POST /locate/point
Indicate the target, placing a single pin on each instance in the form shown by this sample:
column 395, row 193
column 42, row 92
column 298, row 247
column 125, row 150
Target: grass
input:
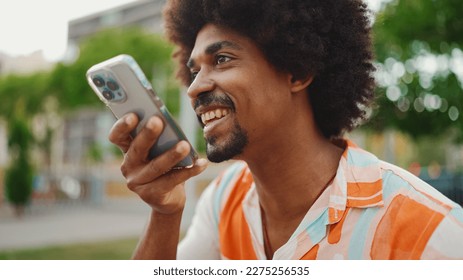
column 110, row 250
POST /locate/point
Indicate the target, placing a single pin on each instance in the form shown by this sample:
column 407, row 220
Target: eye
column 220, row 59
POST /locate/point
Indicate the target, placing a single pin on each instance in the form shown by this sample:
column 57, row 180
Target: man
column 276, row 84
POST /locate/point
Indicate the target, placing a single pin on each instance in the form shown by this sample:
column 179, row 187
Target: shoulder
column 416, row 218
column 397, row 181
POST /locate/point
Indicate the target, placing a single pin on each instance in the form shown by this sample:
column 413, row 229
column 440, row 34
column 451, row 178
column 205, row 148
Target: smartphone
column 120, row 83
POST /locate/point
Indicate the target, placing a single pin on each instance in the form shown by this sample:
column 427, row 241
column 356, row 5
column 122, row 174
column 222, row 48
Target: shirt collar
column 358, row 182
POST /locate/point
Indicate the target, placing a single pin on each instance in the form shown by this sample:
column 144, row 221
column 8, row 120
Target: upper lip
column 210, row 102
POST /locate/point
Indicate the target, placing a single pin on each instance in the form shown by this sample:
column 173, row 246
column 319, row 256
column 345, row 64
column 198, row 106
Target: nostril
column 201, row 99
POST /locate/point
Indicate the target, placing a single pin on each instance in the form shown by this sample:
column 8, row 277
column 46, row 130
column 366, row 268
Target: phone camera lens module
column 98, row 81
column 112, row 85
column 109, row 95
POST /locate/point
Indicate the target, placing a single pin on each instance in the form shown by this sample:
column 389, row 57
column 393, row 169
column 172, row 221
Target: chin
column 217, row 155
column 229, row 150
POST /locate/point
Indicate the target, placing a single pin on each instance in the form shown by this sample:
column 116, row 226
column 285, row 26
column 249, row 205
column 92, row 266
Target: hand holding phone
column 120, row 83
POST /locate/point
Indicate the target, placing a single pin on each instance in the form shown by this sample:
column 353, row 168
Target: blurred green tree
column 68, row 82
column 19, row 174
column 21, row 99
column 420, row 68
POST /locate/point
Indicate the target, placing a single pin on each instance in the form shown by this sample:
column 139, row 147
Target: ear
column 298, row 85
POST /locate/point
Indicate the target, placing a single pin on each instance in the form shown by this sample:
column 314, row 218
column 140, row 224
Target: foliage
column 19, row 175
column 418, row 43
column 27, row 91
column 438, row 24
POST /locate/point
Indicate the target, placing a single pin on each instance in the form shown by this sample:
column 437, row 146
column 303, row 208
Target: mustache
column 209, row 98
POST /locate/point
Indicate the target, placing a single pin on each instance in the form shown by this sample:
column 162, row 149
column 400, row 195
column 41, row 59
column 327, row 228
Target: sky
column 30, row 25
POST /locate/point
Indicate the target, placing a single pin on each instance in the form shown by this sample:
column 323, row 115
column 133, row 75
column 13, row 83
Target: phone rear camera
column 109, row 95
column 112, row 85
column 98, row 81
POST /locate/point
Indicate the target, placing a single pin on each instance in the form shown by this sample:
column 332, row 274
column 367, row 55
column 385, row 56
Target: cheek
column 261, row 98
column 266, row 107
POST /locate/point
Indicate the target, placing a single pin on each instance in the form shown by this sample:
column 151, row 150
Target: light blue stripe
column 457, row 213
column 361, row 159
column 317, row 229
column 227, row 177
column 392, row 184
column 360, row 232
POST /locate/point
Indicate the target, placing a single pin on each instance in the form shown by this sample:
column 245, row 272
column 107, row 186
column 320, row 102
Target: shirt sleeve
column 446, row 241
column 202, row 238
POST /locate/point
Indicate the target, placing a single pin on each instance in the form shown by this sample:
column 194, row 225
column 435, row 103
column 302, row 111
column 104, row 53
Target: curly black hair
column 329, row 39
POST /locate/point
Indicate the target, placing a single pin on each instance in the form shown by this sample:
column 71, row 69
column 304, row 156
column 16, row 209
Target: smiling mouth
column 213, row 115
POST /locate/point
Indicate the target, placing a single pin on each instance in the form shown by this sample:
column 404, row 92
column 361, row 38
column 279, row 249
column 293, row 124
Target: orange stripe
column 362, row 189
column 234, row 235
column 312, row 254
column 364, row 202
column 404, row 230
column 334, row 236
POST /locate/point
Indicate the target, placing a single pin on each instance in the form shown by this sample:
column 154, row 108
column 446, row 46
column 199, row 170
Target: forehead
column 212, row 38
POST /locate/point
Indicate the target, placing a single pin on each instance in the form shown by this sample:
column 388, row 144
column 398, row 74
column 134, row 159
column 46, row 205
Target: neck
column 289, row 184
column 298, row 167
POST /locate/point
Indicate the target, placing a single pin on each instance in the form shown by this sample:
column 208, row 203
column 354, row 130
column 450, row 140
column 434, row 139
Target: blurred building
column 143, row 13
column 23, row 64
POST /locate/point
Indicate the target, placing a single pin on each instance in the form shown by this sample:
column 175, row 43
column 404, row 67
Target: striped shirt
column 371, row 210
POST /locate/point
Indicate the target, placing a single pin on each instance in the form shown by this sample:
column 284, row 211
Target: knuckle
column 125, row 167
column 154, row 168
column 113, row 138
column 137, row 150
column 131, row 184
column 124, row 170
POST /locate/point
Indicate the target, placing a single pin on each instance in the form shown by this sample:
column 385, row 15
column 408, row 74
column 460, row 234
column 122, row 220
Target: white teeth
column 214, row 114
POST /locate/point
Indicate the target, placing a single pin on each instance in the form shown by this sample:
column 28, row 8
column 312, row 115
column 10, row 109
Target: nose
column 202, row 83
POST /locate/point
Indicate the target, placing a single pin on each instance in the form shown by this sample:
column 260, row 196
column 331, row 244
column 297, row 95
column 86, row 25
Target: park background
column 61, row 192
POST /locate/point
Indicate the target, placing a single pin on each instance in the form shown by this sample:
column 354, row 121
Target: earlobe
column 298, row 85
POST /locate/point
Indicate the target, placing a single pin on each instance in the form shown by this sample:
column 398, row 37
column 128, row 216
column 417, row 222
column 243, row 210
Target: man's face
column 239, row 98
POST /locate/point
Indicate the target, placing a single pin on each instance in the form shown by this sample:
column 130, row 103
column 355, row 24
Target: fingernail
column 151, row 123
column 129, row 119
column 201, row 162
column 180, row 148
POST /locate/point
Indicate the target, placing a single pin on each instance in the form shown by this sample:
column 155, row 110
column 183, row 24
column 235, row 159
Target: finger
column 169, row 181
column 161, row 164
column 178, row 176
column 141, row 145
column 120, row 132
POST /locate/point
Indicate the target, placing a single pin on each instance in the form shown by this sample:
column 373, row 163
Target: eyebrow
column 213, row 48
